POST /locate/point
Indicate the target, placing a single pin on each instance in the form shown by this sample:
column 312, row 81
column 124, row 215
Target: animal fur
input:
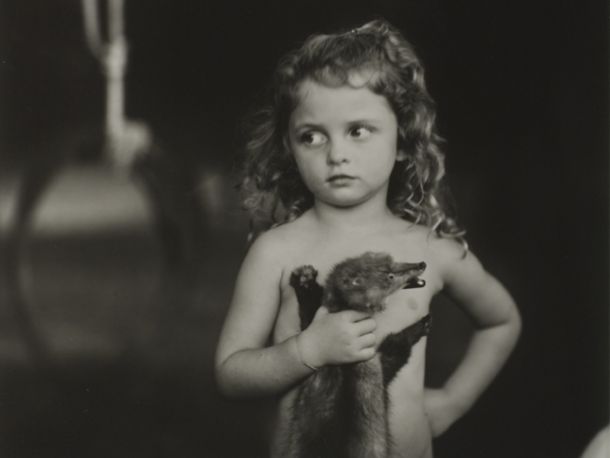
column 341, row 411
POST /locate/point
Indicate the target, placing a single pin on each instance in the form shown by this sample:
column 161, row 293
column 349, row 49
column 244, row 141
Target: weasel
column 341, row 411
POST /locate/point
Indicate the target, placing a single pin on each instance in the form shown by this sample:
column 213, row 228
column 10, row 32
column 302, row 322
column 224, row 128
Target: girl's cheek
column 303, row 171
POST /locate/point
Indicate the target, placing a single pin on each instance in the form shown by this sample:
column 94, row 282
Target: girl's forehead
column 318, row 100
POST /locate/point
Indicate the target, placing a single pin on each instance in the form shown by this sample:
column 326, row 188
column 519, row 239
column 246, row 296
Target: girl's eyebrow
column 364, row 121
column 313, row 125
column 308, row 126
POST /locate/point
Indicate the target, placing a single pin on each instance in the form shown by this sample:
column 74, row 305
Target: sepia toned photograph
column 304, row 229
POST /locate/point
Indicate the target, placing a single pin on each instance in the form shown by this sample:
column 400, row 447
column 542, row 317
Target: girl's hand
column 442, row 410
column 338, row 338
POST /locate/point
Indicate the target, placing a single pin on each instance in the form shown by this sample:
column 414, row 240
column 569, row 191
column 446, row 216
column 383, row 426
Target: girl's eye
column 312, row 138
column 360, row 132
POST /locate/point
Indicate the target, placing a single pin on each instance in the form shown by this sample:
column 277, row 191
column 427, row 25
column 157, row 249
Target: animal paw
column 303, row 277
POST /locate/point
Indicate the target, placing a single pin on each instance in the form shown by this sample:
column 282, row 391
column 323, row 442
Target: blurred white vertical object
column 125, row 139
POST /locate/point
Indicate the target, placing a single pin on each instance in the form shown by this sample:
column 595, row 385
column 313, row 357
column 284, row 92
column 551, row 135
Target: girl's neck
column 362, row 217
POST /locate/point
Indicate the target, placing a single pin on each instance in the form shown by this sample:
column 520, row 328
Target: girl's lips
column 340, row 177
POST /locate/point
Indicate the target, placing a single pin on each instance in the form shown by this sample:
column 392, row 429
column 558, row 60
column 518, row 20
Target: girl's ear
column 401, row 155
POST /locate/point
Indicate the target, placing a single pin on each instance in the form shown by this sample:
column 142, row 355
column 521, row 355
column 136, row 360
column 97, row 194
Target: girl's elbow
column 225, row 388
column 509, row 326
column 517, row 321
column 224, row 382
column 515, row 324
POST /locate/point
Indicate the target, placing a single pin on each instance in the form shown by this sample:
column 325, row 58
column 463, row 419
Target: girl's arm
column 497, row 327
column 243, row 365
column 246, row 365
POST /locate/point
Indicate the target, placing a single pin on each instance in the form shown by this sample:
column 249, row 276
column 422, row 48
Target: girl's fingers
column 368, row 340
column 353, row 316
column 365, row 326
column 367, row 352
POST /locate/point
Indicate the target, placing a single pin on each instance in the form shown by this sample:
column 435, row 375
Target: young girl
column 345, row 160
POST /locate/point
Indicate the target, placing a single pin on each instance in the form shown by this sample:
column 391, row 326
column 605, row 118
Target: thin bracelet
column 313, row 368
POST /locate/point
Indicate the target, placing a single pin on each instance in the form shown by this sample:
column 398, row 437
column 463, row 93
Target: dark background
column 522, row 94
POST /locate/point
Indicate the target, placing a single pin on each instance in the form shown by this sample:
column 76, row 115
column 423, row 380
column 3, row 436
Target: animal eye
column 356, row 282
column 391, row 276
column 312, row 138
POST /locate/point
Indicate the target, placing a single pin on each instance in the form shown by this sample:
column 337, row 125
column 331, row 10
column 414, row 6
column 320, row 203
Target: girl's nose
column 337, row 154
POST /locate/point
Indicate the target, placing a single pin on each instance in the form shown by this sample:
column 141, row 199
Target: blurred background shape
column 121, row 231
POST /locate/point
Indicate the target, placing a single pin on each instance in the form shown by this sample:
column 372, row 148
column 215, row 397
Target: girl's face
column 344, row 141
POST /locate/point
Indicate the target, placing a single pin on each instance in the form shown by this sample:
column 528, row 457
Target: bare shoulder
column 281, row 240
column 449, row 251
column 274, row 250
column 269, row 244
column 423, row 234
column 455, row 262
column 442, row 250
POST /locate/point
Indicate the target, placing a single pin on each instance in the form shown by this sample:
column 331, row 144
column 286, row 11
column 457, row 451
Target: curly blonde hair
column 274, row 192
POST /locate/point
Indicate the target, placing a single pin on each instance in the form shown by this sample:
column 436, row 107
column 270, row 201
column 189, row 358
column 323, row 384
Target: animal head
column 364, row 282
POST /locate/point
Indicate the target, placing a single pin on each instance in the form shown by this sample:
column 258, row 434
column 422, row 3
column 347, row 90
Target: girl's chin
column 349, row 196
column 345, row 202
